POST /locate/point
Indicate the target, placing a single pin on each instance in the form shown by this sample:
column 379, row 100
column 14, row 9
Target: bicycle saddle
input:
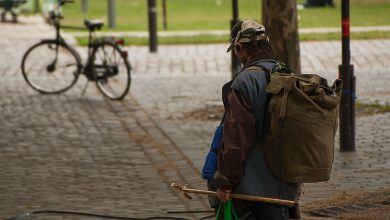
column 93, row 25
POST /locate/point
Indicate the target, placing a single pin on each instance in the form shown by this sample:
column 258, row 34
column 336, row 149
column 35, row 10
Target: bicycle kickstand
column 85, row 89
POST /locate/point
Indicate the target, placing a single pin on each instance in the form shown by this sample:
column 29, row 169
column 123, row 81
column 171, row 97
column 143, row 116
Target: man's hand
column 223, row 195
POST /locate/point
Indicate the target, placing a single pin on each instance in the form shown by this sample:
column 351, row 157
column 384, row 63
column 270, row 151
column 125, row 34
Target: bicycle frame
column 93, row 41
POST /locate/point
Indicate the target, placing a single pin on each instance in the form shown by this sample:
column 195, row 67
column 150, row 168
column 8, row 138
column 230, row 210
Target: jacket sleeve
column 239, row 137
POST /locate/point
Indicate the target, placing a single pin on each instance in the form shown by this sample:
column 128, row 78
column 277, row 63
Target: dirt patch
column 208, row 113
column 359, row 205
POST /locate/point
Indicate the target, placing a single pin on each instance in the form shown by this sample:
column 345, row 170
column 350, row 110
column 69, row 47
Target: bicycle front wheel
column 51, row 67
column 111, row 70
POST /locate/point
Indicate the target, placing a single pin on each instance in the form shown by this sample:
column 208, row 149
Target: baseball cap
column 247, row 31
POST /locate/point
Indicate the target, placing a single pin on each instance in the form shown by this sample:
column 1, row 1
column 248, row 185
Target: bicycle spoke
column 114, row 55
column 101, row 56
column 66, row 65
column 112, row 91
column 42, row 70
column 106, row 55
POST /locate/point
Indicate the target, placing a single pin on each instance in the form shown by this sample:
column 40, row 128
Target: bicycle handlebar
column 56, row 14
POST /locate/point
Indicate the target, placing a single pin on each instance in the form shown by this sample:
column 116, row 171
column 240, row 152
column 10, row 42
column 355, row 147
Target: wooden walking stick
column 186, row 190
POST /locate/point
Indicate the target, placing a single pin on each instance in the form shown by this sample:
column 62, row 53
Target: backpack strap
column 268, row 72
column 254, row 68
column 268, row 75
column 258, row 67
column 286, row 92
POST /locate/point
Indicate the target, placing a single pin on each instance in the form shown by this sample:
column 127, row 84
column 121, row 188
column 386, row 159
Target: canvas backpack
column 302, row 114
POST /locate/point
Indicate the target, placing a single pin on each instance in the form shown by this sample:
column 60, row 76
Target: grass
column 216, row 14
column 207, row 39
column 371, row 108
column 182, row 14
column 142, row 41
column 362, row 13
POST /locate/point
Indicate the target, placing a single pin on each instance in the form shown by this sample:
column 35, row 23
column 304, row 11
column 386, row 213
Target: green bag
column 228, row 211
column 302, row 111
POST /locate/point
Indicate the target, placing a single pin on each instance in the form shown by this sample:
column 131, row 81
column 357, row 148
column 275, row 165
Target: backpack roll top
column 302, row 111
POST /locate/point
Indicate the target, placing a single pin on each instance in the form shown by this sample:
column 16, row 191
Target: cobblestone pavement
column 93, row 155
column 88, row 154
column 370, row 60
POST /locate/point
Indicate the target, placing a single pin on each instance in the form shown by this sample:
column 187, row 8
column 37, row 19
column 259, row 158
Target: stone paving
column 370, row 60
column 89, row 154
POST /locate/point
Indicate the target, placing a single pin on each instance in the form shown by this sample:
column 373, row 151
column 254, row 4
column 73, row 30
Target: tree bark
column 280, row 19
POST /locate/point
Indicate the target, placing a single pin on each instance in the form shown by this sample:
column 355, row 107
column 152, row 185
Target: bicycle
column 52, row 66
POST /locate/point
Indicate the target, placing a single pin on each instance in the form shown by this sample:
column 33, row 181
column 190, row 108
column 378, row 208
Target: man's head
column 250, row 41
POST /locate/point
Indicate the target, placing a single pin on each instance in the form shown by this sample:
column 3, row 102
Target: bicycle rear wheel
column 51, row 67
column 111, row 70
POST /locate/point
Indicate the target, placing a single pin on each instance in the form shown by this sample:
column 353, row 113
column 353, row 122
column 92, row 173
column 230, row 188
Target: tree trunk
column 280, row 19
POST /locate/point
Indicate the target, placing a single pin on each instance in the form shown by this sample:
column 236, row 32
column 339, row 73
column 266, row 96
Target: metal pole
column 37, row 7
column 165, row 24
column 234, row 60
column 84, row 5
column 111, row 13
column 346, row 73
column 152, row 17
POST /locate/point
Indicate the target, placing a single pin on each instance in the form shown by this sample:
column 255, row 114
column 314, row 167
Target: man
column 241, row 167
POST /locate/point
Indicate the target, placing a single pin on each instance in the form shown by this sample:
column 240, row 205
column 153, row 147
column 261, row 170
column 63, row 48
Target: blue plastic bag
column 211, row 162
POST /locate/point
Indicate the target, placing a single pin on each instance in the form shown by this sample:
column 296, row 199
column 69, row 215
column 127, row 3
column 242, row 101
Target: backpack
column 302, row 114
column 302, row 111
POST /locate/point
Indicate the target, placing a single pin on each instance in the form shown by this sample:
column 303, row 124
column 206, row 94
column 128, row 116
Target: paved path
column 370, row 60
column 83, row 154
column 89, row 154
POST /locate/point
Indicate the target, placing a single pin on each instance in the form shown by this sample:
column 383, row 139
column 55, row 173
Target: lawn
column 363, row 13
column 182, row 14
column 215, row 14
